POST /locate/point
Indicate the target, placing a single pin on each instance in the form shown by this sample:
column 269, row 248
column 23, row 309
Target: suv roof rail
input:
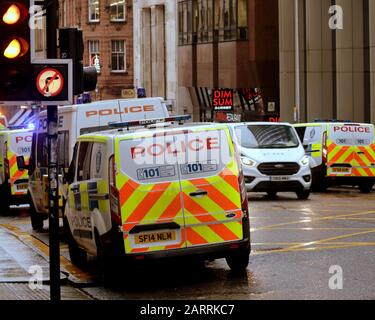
column 145, row 123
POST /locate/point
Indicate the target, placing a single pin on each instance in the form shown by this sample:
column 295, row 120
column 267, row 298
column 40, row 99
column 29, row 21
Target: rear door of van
column 178, row 189
column 19, row 145
column 210, row 187
column 351, row 150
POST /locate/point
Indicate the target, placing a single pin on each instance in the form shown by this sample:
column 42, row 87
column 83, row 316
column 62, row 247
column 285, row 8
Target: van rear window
column 352, row 135
column 184, row 155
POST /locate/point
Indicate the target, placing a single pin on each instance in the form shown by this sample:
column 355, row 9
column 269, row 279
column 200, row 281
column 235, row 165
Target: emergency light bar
column 137, row 123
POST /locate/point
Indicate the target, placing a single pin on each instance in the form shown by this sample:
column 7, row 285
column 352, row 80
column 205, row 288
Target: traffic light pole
column 52, row 119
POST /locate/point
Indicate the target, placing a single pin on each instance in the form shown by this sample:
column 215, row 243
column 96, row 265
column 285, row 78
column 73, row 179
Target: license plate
column 155, row 237
column 341, row 170
column 278, row 179
column 22, row 186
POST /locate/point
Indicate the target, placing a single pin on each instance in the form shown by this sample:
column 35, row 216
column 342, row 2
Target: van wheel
column 366, row 186
column 5, row 201
column 109, row 263
column 239, row 260
column 77, row 255
column 37, row 220
column 272, row 194
column 303, row 194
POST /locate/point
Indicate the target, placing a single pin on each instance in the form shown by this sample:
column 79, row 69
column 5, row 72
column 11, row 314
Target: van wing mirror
column 21, row 163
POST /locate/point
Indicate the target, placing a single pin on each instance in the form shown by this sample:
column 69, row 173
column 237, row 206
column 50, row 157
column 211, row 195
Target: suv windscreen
column 266, row 137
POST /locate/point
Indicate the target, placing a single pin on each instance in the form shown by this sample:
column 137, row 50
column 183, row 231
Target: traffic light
column 15, row 57
column 72, row 47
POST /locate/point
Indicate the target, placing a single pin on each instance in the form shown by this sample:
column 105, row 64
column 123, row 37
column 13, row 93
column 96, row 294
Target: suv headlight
column 305, row 161
column 248, row 162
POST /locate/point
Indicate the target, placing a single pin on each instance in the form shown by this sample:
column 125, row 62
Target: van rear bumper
column 114, row 243
column 214, row 251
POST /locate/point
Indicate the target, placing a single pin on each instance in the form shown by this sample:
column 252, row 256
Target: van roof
column 259, row 123
column 66, row 109
column 16, row 131
column 123, row 132
column 333, row 123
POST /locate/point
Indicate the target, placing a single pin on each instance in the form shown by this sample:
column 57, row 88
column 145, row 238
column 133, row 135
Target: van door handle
column 99, row 196
column 360, row 152
column 199, row 194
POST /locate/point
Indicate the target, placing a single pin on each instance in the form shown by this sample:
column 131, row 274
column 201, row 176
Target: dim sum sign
column 222, row 99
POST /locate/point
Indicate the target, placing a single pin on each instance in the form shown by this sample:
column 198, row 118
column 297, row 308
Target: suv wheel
column 303, row 194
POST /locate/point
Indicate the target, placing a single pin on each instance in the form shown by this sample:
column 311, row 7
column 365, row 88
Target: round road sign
column 50, row 82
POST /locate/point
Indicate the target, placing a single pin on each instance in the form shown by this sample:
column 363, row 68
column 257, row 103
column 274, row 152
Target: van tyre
column 77, row 255
column 238, row 260
column 5, row 200
column 37, row 220
column 109, row 263
column 366, row 186
column 303, row 194
column 272, row 194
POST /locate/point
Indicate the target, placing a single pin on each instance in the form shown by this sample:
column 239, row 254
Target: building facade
column 231, row 45
column 337, row 59
column 155, row 52
column 108, row 38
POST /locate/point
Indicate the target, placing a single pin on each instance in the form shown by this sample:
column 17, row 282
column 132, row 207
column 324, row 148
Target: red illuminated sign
column 222, row 99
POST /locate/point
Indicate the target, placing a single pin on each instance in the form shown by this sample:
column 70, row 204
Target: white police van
column 273, row 158
column 72, row 122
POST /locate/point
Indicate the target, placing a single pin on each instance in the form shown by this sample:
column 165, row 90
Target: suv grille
column 279, row 168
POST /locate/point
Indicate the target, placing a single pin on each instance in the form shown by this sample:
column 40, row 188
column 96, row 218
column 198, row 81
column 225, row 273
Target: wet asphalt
column 322, row 248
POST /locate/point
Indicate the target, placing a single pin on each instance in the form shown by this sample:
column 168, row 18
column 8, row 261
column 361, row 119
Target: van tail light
column 325, row 148
column 114, row 194
column 241, row 183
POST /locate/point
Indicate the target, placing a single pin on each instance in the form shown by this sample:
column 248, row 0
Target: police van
column 341, row 153
column 13, row 182
column 72, row 122
column 158, row 191
column 273, row 158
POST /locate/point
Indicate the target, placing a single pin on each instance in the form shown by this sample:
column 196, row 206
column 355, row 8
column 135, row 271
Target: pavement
column 299, row 248
column 24, row 271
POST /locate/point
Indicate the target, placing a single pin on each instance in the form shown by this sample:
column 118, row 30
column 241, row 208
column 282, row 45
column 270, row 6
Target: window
column 94, row 11
column 242, row 19
column 118, row 56
column 204, row 21
column 229, row 18
column 42, row 150
column 117, row 10
column 98, row 167
column 84, row 161
column 63, row 147
column 94, row 55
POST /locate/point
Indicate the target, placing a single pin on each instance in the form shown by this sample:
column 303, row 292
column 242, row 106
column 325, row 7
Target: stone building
column 108, row 38
column 337, row 62
column 232, row 45
column 155, row 52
